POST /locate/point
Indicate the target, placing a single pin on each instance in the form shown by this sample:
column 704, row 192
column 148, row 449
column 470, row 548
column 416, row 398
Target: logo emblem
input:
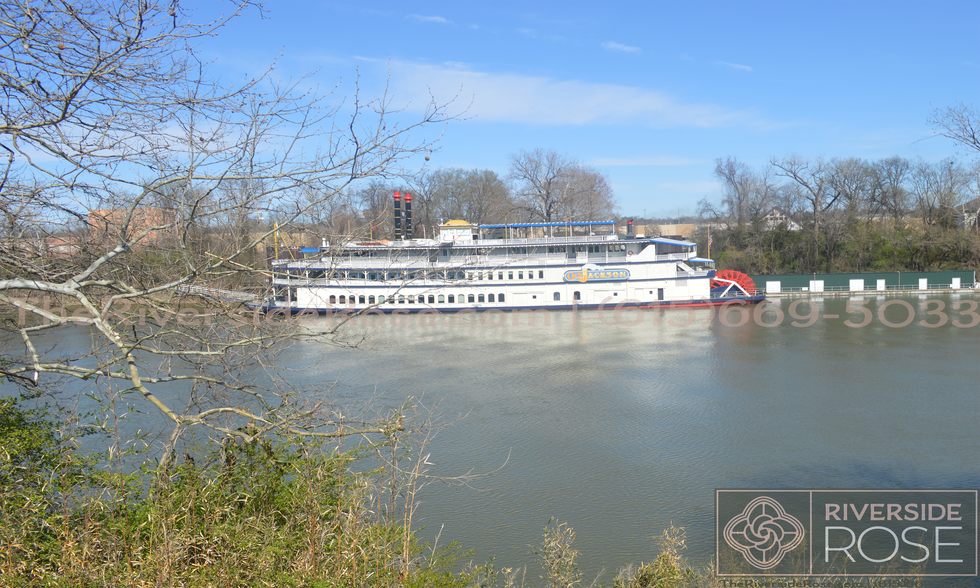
column 764, row 533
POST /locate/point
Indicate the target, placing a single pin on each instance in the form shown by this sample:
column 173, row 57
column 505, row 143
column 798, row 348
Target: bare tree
column 811, row 180
column 887, row 190
column 551, row 187
column 739, row 183
column 477, row 196
column 960, row 123
column 106, row 107
column 937, row 189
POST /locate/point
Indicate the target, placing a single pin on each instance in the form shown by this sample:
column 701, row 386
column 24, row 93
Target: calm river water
column 621, row 425
column 621, row 429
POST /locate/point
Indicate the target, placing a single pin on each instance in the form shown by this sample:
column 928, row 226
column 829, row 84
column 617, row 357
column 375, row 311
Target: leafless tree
column 887, row 190
column 937, row 189
column 811, row 178
column 551, row 187
column 739, row 183
column 960, row 123
column 477, row 196
column 107, row 107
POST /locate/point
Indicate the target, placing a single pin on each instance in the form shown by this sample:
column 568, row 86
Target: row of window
column 432, row 298
column 398, row 276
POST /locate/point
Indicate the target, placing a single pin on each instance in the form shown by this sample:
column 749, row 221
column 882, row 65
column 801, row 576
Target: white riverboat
column 470, row 267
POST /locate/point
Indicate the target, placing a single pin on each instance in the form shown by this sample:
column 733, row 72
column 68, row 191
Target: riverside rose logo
column 764, row 533
column 847, row 533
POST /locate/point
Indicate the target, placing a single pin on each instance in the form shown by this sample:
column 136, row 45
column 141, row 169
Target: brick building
column 105, row 224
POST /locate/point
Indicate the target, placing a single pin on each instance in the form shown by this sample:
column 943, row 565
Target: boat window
column 577, row 295
column 452, row 299
column 381, row 299
column 541, row 274
column 333, row 299
column 360, row 299
column 343, row 300
column 442, row 298
column 370, row 299
column 470, row 298
column 432, row 299
column 479, row 275
column 411, row 299
column 557, row 296
column 500, row 275
column 490, row 298
column 510, row 275
column 401, row 299
column 500, row 298
column 520, row 275
column 480, row 298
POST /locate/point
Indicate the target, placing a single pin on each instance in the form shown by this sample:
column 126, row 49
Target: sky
column 651, row 93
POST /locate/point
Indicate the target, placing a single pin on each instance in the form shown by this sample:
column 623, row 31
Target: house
column 777, row 218
column 966, row 214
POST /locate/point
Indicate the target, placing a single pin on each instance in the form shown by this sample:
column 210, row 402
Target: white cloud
column 436, row 19
column 734, row 66
column 660, row 160
column 548, row 101
column 614, row 46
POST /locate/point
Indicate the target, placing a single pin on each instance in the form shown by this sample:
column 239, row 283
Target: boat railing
column 469, row 260
column 536, row 241
column 381, row 263
column 675, row 257
column 694, row 274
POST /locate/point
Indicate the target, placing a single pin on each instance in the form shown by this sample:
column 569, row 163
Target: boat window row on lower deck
column 397, row 276
column 430, row 298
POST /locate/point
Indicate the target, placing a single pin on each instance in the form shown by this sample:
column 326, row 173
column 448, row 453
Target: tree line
column 804, row 215
column 541, row 186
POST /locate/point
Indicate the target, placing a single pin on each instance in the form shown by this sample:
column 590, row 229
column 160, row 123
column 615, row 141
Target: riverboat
column 504, row 267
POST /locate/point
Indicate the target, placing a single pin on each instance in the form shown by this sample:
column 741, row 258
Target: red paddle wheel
column 739, row 278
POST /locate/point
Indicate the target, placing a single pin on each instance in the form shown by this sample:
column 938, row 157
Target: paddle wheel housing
column 732, row 283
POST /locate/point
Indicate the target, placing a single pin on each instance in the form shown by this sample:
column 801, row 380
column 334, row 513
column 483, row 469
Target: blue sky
column 650, row 92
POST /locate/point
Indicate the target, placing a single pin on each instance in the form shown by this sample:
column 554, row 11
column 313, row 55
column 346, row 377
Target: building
column 966, row 214
column 777, row 218
column 105, row 224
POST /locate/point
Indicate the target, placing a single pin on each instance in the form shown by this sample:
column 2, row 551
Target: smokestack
column 398, row 215
column 629, row 228
column 408, row 215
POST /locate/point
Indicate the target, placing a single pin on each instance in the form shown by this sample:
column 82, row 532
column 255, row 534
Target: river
column 621, row 424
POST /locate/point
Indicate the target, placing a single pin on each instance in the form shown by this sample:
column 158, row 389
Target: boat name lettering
column 599, row 275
